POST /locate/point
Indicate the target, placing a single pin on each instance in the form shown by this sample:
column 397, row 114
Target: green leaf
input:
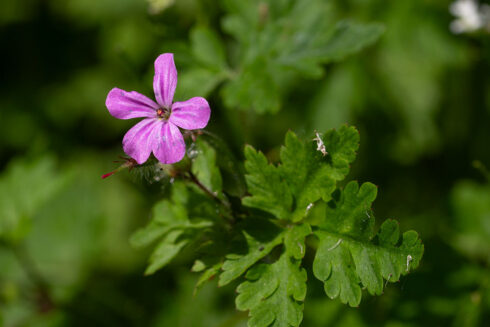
column 175, row 224
column 197, row 81
column 305, row 176
column 187, row 216
column 24, row 188
column 268, row 245
column 253, row 87
column 278, row 41
column 208, row 68
column 208, row 274
column 351, row 214
column 166, row 250
column 207, row 48
column 205, row 169
column 311, row 175
column 257, row 239
column 274, row 293
column 350, row 256
column 347, row 38
column 231, row 168
column 269, row 190
column 471, row 207
column 166, row 217
column 211, row 255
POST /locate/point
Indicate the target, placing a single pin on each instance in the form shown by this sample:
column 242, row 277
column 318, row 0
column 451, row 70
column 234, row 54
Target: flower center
column 163, row 113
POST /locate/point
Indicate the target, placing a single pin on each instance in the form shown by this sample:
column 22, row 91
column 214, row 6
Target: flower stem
column 191, row 177
column 208, row 192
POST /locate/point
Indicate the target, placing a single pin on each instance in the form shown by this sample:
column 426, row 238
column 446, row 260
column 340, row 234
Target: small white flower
column 470, row 17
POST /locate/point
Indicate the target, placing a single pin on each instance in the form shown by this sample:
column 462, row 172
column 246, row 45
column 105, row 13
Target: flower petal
column 191, row 114
column 168, row 144
column 165, row 79
column 127, row 105
column 137, row 142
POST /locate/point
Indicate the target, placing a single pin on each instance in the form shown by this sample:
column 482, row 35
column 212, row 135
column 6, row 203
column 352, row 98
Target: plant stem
column 212, row 195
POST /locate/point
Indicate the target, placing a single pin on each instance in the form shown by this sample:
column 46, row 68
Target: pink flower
column 159, row 131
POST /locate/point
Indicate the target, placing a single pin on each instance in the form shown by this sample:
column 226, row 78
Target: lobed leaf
column 258, row 238
column 269, row 190
column 274, row 293
column 309, row 174
column 350, row 256
column 280, row 41
column 305, row 176
column 269, row 245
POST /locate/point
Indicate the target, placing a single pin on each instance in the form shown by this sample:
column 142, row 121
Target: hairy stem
column 191, row 177
column 208, row 192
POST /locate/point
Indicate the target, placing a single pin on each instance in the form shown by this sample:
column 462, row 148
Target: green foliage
column 348, row 254
column 24, row 188
column 274, row 293
column 468, row 234
column 269, row 191
column 175, row 223
column 267, row 243
column 187, row 216
column 210, row 307
column 305, row 176
column 81, row 225
column 279, row 41
column 419, row 96
column 413, row 86
column 394, row 80
column 205, row 169
column 471, row 205
column 231, row 169
column 209, row 68
column 260, row 238
column 208, row 48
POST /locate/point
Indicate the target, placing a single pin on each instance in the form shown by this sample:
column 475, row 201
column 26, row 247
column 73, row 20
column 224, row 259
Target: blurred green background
column 419, row 95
